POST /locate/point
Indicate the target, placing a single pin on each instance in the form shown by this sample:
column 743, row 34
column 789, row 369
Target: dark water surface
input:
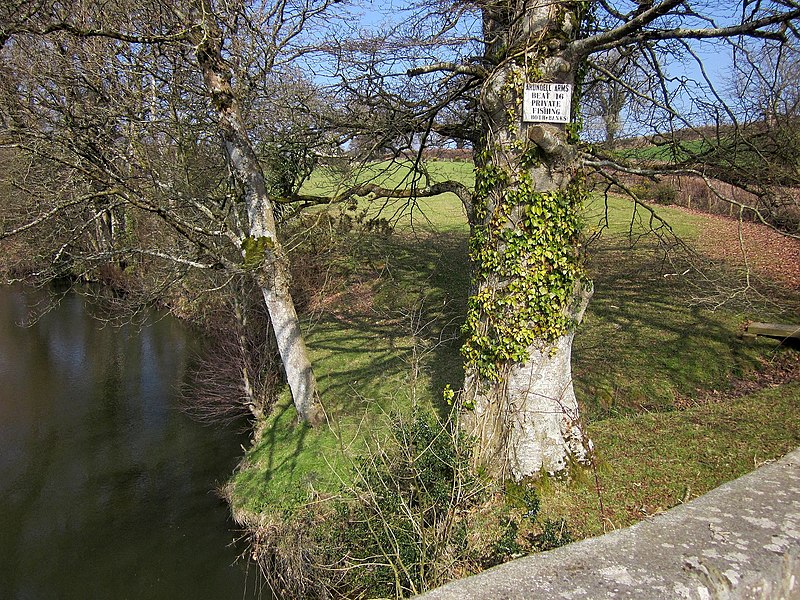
column 106, row 487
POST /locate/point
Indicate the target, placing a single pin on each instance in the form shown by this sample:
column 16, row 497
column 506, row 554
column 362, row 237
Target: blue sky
column 716, row 57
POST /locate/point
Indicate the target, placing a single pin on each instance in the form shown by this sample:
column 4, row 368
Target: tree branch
column 450, row 67
column 611, row 38
column 453, row 187
column 603, row 164
column 634, row 30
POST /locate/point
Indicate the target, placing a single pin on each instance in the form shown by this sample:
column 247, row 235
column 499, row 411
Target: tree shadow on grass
column 400, row 308
column 281, row 445
column 643, row 342
column 405, row 335
column 647, row 339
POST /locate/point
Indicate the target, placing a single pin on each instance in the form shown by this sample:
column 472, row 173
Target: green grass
column 676, row 152
column 751, row 149
column 623, row 223
column 389, row 339
column 651, row 337
column 440, row 213
column 653, row 461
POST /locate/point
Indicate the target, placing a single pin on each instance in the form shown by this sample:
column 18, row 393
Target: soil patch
column 765, row 251
column 782, row 369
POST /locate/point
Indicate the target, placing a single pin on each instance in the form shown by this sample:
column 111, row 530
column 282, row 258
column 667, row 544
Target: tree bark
column 529, row 421
column 270, row 263
column 528, row 292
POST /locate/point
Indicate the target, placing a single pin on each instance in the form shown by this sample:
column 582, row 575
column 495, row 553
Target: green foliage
column 406, row 522
column 533, row 156
column 523, row 531
column 448, row 394
column 555, row 534
column 487, row 179
column 527, row 264
column 507, row 545
column 287, row 164
column 656, row 192
column 402, row 524
column 524, row 497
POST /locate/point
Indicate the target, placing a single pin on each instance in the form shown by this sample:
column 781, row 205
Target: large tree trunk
column 261, row 250
column 528, row 422
column 529, row 291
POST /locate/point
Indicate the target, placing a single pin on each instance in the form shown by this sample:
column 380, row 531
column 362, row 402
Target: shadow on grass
column 388, row 335
column 388, row 339
column 400, row 334
column 647, row 340
column 644, row 344
column 276, row 456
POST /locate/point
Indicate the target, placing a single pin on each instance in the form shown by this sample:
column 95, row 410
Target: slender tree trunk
column 529, row 291
column 613, row 124
column 261, row 250
column 255, row 405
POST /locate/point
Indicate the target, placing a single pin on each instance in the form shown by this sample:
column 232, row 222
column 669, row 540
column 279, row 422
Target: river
column 106, row 487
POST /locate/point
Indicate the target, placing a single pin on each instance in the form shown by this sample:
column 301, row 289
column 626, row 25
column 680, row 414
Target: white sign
column 547, row 102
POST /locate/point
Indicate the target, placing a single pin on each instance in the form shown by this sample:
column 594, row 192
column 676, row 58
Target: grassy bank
column 655, row 460
column 659, row 338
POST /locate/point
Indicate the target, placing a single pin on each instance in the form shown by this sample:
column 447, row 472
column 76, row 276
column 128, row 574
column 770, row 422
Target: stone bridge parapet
column 741, row 540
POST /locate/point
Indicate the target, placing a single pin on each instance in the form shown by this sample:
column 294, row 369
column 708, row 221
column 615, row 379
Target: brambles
column 401, row 525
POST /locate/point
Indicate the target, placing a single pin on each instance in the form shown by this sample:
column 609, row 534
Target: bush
column 663, row 193
column 402, row 524
column 656, row 192
column 413, row 516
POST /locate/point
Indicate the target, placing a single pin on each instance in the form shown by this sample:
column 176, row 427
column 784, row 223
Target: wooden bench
column 778, row 331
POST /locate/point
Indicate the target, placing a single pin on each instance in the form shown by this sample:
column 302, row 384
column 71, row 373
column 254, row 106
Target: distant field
column 673, row 152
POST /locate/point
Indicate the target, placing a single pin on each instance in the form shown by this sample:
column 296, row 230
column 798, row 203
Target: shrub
column 402, row 524
column 663, row 193
column 413, row 516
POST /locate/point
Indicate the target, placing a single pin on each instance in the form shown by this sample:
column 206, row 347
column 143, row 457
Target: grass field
column 668, row 152
column 659, row 337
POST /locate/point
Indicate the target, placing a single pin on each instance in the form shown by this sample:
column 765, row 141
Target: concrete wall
column 741, row 540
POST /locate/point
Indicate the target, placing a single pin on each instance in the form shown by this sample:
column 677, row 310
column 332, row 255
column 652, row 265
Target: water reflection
column 105, row 486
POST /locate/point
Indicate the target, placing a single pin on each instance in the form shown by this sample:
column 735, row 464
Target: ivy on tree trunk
column 529, row 288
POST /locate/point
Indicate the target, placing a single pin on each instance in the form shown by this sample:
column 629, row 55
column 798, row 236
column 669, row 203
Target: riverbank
column 659, row 351
column 382, row 307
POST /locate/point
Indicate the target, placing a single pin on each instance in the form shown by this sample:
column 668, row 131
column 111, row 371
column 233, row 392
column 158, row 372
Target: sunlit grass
column 656, row 460
column 671, row 152
column 391, row 339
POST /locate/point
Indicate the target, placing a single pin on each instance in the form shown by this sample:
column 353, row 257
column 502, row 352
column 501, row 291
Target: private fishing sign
column 547, row 102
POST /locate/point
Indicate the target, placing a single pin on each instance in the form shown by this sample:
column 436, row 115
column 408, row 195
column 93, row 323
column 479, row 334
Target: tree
column 123, row 103
column 607, row 94
column 766, row 100
column 261, row 243
column 529, row 285
column 766, row 81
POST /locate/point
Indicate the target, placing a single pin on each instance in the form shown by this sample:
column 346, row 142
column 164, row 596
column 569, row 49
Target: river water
column 106, row 487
